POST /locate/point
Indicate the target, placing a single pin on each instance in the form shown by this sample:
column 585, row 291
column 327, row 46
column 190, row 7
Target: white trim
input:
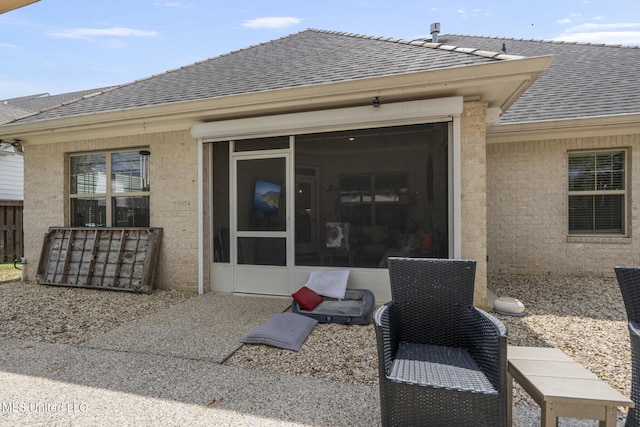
column 291, row 212
column 212, row 235
column 233, row 218
column 623, row 124
column 395, row 114
column 456, row 193
column 279, row 279
column 201, row 259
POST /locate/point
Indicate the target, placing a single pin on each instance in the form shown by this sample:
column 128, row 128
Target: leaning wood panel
column 103, row 258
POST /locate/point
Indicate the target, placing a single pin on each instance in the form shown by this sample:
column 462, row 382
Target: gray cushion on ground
column 283, row 330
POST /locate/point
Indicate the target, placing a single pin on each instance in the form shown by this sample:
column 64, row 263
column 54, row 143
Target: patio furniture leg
column 509, row 400
column 548, row 416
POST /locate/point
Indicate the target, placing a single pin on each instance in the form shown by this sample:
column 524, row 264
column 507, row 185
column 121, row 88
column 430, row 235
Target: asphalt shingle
column 309, row 57
column 585, row 80
column 15, row 108
column 10, row 112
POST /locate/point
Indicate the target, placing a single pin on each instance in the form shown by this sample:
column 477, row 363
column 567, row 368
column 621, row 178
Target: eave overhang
column 499, row 84
column 623, row 124
column 8, row 5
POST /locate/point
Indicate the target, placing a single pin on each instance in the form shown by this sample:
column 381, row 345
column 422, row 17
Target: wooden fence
column 11, row 232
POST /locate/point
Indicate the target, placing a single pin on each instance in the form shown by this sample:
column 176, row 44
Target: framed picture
column 266, row 197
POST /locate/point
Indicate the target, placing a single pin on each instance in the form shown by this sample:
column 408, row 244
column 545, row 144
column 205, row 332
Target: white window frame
column 109, row 194
column 595, row 192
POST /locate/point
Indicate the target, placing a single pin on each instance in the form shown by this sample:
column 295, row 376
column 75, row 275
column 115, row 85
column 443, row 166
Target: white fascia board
column 622, row 124
column 400, row 113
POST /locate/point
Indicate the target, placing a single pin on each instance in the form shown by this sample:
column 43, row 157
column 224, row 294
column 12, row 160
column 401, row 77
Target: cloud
column 87, row 33
column 601, row 27
column 271, row 22
column 617, row 33
column 564, row 21
column 174, row 4
column 179, row 5
column 628, row 38
column 475, row 12
column 113, row 43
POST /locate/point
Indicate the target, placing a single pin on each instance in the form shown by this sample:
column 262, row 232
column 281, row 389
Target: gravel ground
column 64, row 315
column 584, row 317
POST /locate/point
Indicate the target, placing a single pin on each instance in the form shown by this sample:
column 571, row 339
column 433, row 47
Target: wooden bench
column 562, row 387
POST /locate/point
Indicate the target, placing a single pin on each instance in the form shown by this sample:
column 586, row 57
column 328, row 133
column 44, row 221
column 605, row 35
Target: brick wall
column 527, row 210
column 174, row 196
column 474, row 193
column 174, row 201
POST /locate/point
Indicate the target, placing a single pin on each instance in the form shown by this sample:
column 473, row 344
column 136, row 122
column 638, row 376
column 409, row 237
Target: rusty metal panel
column 121, row 259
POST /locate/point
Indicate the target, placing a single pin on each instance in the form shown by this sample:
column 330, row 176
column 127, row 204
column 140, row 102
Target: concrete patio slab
column 206, row 327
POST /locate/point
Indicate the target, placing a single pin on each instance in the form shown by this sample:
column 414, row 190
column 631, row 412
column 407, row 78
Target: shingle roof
column 584, row 80
column 9, row 112
column 24, row 106
column 44, row 100
column 309, row 57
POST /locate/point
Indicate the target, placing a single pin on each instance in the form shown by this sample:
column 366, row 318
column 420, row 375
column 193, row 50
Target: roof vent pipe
column 435, row 30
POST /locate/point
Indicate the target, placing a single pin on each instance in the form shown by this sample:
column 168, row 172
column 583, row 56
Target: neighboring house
column 24, row 106
column 252, row 162
column 11, row 176
column 12, row 165
column 11, row 191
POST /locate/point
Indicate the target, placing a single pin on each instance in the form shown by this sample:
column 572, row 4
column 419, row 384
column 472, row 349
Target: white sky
column 58, row 46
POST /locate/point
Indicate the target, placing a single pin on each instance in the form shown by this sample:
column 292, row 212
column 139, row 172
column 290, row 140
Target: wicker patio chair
column 442, row 361
column 629, row 281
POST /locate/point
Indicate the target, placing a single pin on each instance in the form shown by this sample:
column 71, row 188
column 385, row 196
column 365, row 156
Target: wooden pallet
column 121, row 259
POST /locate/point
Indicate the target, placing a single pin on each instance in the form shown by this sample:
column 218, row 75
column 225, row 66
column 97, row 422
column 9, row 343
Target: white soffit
column 393, row 114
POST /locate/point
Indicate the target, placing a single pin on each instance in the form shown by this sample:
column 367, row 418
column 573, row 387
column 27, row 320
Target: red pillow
column 307, row 298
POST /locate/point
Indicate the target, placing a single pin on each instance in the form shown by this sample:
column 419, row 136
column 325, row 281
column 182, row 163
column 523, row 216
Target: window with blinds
column 597, row 193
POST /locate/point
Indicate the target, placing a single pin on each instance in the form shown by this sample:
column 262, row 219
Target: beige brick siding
column 527, row 210
column 43, row 200
column 174, row 198
column 474, row 193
